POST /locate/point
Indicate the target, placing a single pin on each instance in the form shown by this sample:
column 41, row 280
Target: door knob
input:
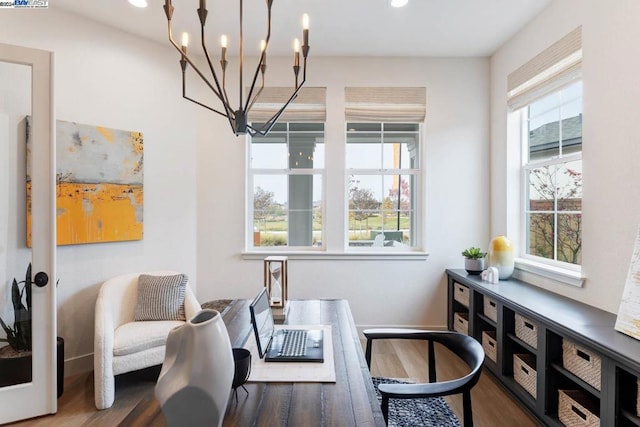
column 41, row 279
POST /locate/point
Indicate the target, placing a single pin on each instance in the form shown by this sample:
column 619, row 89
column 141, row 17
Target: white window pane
column 364, row 152
column 269, row 152
column 540, row 234
column 569, row 186
column 270, row 210
column 544, row 135
column 570, row 238
column 541, row 184
column 400, row 151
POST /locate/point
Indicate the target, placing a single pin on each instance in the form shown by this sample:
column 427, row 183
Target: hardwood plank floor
column 492, row 407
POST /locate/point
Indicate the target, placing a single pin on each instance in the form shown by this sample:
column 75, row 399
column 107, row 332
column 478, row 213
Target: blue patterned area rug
column 432, row 411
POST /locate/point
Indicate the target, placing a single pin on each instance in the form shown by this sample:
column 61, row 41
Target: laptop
column 283, row 345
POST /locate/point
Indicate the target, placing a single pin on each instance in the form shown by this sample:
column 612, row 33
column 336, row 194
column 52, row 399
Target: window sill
column 558, row 274
column 352, row 255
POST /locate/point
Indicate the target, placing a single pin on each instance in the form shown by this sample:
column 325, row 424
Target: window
column 383, row 169
column 552, row 176
column 286, row 172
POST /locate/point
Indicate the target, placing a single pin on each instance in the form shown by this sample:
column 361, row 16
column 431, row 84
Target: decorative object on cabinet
column 474, row 260
column 195, row 382
column 629, row 310
column 490, row 275
column 501, row 256
column 99, row 184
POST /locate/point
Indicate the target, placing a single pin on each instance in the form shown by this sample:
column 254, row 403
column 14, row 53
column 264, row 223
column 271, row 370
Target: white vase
column 195, row 381
column 501, row 256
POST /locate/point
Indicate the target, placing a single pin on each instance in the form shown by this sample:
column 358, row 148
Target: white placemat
column 325, row 372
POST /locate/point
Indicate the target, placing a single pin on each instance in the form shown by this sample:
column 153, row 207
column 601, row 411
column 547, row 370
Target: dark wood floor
column 492, row 407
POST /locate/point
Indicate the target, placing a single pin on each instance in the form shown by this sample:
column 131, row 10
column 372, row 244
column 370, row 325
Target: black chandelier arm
column 222, row 93
column 207, row 107
column 197, row 70
column 255, row 98
column 266, row 127
column 263, row 56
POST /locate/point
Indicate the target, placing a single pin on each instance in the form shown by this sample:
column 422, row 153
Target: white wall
column 106, row 77
column 456, row 150
column 611, row 144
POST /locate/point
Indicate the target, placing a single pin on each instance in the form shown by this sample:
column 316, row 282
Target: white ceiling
column 338, row 27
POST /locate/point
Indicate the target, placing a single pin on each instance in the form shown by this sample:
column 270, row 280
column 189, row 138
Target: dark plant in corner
column 19, row 336
column 473, row 260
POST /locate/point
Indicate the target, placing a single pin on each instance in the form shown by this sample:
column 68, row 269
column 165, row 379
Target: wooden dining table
column 350, row 401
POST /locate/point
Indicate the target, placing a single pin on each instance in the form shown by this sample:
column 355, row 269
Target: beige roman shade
column 385, row 104
column 553, row 68
column 309, row 105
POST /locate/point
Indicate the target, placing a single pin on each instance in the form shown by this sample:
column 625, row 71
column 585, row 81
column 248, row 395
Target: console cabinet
column 539, row 343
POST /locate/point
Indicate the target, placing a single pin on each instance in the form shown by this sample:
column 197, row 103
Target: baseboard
column 78, row 365
column 361, row 328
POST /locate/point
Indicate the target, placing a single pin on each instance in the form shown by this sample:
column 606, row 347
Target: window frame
column 250, row 174
column 417, row 196
column 551, row 268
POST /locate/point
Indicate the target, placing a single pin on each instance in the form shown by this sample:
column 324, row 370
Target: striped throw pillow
column 161, row 297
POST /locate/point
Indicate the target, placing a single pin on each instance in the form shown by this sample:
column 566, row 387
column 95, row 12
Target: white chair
column 123, row 345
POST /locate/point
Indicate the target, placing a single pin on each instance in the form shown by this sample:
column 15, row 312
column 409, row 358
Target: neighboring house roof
column 546, row 136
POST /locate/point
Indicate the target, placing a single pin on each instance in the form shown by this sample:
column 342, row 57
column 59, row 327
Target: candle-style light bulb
column 296, row 52
column 223, row 54
column 185, row 42
column 305, row 34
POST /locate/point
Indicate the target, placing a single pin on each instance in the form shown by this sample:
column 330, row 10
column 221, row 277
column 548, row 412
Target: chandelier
column 237, row 117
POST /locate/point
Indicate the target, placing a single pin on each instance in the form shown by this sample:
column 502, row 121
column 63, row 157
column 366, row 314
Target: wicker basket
column 524, row 372
column 490, row 345
column 576, row 409
column 526, row 330
column 461, row 294
column 581, row 362
column 490, row 309
column 461, row 323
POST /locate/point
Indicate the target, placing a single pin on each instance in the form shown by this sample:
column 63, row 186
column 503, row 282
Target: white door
column 26, row 89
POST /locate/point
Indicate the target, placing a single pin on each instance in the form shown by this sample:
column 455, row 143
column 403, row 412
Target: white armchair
column 123, row 345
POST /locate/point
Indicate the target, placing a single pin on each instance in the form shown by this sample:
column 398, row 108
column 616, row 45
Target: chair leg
column 385, row 408
column 466, row 409
column 432, row 362
column 367, row 353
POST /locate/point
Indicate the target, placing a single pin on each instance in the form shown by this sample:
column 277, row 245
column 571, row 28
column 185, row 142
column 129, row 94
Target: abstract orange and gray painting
column 99, row 184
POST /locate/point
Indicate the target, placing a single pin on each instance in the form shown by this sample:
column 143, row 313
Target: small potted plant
column 473, row 260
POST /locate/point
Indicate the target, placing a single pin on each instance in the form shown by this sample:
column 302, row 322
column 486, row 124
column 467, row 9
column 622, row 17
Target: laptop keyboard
column 294, row 343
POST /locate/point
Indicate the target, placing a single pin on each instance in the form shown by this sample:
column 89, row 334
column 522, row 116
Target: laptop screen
column 262, row 321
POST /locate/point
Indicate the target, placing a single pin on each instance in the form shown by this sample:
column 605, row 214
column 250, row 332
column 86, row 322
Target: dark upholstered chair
column 465, row 347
